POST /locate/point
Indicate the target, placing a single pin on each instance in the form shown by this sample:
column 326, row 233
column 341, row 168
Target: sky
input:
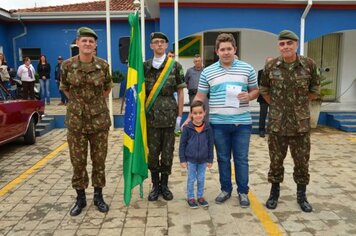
column 16, row 4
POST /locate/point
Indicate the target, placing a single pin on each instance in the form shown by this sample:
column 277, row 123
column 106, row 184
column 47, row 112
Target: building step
column 344, row 116
column 345, row 121
column 47, row 119
column 348, row 128
column 45, row 125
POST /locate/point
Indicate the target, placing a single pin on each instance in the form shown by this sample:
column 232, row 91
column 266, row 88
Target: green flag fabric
column 135, row 131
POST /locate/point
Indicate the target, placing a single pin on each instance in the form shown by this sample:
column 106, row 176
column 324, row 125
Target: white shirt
column 157, row 61
column 22, row 72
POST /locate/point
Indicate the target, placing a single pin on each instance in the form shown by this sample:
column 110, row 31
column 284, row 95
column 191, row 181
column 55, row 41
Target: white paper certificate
column 231, row 95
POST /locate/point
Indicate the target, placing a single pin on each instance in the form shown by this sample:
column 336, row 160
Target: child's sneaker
column 192, row 204
column 202, row 202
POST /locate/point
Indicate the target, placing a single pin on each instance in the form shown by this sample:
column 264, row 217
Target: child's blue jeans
column 196, row 172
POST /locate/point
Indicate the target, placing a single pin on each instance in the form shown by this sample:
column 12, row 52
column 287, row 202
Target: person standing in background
column 27, row 74
column 192, row 77
column 4, row 72
column 2, row 59
column 263, row 105
column 58, row 77
column 171, row 54
column 44, row 72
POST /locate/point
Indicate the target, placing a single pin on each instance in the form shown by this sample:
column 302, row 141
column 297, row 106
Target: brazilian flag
column 135, row 132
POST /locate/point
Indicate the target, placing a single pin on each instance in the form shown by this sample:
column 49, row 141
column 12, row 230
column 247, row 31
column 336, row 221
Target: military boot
column 302, row 198
column 273, row 197
column 166, row 193
column 99, row 200
column 154, row 194
column 79, row 204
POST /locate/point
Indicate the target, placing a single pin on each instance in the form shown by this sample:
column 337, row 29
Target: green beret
column 86, row 31
column 287, row 34
column 159, row 35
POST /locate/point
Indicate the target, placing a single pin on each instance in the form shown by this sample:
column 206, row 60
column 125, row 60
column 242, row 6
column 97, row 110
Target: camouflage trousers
column 78, row 150
column 160, row 143
column 299, row 146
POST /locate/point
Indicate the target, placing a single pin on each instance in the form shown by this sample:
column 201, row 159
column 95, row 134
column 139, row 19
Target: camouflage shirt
column 165, row 109
column 87, row 111
column 289, row 86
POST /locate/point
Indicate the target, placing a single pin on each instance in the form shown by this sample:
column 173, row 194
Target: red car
column 18, row 117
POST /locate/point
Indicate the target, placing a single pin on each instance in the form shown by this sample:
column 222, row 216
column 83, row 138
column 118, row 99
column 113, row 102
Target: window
column 74, row 50
column 33, row 53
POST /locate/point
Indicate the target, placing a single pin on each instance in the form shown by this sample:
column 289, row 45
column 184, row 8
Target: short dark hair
column 225, row 37
column 197, row 103
column 26, row 59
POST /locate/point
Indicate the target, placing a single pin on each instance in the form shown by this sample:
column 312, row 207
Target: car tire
column 30, row 135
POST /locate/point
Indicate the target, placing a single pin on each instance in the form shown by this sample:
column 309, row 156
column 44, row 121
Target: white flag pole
column 143, row 38
column 108, row 45
column 176, row 34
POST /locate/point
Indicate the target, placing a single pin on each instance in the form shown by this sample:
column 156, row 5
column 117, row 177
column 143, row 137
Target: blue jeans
column 64, row 98
column 45, row 90
column 196, row 172
column 233, row 139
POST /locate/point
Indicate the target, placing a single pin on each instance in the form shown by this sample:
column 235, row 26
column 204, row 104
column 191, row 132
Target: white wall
column 256, row 46
column 347, row 72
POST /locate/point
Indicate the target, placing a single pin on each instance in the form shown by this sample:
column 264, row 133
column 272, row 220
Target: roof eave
column 4, row 14
column 88, row 15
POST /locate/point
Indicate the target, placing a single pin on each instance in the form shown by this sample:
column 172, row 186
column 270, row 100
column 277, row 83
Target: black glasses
column 159, row 41
column 289, row 43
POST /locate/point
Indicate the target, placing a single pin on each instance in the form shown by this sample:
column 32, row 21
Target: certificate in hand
column 231, row 95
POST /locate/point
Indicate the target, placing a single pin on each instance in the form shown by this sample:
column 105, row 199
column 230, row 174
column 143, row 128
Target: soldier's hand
column 178, row 120
column 106, row 93
column 312, row 96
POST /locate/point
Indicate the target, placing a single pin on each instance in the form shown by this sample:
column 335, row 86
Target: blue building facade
column 55, row 37
column 321, row 19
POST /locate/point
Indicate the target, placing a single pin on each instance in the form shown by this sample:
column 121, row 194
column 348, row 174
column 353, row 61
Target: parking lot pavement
column 36, row 194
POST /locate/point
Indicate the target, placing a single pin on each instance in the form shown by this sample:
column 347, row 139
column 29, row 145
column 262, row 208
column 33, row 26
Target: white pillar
column 176, row 35
column 108, row 46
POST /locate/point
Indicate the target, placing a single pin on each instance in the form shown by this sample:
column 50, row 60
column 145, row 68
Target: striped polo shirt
column 218, row 81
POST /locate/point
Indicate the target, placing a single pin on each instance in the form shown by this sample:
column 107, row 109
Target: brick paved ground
column 39, row 203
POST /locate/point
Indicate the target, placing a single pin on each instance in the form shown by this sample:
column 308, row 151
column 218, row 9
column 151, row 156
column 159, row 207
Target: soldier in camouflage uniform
column 163, row 116
column 86, row 81
column 288, row 83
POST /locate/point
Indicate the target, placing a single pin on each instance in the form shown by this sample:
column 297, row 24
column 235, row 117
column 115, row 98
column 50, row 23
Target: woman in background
column 4, row 71
column 44, row 72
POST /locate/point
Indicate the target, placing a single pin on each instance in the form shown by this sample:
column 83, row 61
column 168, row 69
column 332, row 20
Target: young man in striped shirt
column 231, row 84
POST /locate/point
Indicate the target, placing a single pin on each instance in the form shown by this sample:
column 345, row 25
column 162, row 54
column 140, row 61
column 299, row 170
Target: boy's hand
column 209, row 165
column 183, row 164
